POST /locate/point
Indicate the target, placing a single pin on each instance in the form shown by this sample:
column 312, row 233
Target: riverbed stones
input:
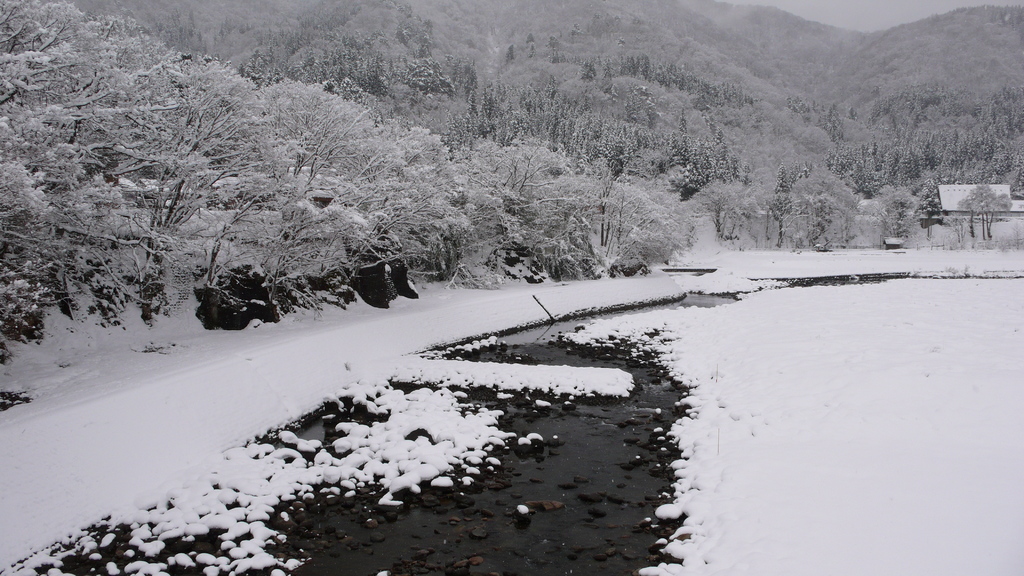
column 417, row 434
column 422, row 553
column 283, row 523
column 521, row 516
column 497, row 484
column 471, row 561
column 544, row 505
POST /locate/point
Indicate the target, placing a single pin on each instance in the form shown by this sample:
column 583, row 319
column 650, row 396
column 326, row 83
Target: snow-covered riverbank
column 869, row 429
column 115, row 423
column 121, row 414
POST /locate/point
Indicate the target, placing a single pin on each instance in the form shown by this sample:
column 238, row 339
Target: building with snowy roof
column 950, row 197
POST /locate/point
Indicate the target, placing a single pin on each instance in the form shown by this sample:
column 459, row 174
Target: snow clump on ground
column 559, row 380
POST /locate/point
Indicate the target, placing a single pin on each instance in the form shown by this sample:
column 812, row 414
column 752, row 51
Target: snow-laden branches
column 144, row 177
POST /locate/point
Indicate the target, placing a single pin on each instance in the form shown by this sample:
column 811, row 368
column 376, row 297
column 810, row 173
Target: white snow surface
column 802, row 264
column 846, row 430
column 868, row 429
column 110, row 425
column 550, row 379
column 750, row 271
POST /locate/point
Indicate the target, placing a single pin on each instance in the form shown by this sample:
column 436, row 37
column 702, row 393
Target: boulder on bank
column 628, row 269
column 243, row 296
column 380, row 283
column 517, row 263
column 233, row 308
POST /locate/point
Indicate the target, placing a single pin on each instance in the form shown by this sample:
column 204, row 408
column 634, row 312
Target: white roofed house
column 986, row 202
column 951, row 196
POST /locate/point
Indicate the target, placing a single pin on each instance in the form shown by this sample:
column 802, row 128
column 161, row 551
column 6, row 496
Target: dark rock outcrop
column 232, row 307
column 383, row 282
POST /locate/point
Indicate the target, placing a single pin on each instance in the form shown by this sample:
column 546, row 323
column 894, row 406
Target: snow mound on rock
column 551, row 379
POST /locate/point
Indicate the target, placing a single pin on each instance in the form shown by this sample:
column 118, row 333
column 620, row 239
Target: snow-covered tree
column 25, row 260
column 62, row 78
column 827, row 207
column 645, row 224
column 190, row 138
column 896, row 212
column 728, row 206
column 984, row 203
column 313, row 133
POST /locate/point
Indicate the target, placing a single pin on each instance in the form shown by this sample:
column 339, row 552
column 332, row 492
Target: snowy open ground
column 845, row 430
column 754, row 264
column 872, row 429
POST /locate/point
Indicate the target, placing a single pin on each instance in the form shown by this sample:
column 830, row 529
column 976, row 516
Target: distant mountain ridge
column 815, row 90
column 978, row 49
column 974, row 47
column 970, row 46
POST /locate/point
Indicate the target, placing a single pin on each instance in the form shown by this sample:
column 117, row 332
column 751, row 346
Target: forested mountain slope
column 976, row 49
column 769, row 86
column 273, row 150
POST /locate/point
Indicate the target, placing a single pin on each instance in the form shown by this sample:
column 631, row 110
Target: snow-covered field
column 755, row 264
column 870, row 429
column 844, row 430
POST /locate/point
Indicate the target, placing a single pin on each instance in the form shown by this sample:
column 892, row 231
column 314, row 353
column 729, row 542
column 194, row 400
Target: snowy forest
column 199, row 155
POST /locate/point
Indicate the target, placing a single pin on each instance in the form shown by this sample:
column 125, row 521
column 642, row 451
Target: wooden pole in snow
column 545, row 310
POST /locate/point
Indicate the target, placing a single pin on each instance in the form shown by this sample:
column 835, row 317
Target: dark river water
column 592, row 487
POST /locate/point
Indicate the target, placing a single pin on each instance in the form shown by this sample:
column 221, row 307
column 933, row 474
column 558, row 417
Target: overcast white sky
column 870, row 15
